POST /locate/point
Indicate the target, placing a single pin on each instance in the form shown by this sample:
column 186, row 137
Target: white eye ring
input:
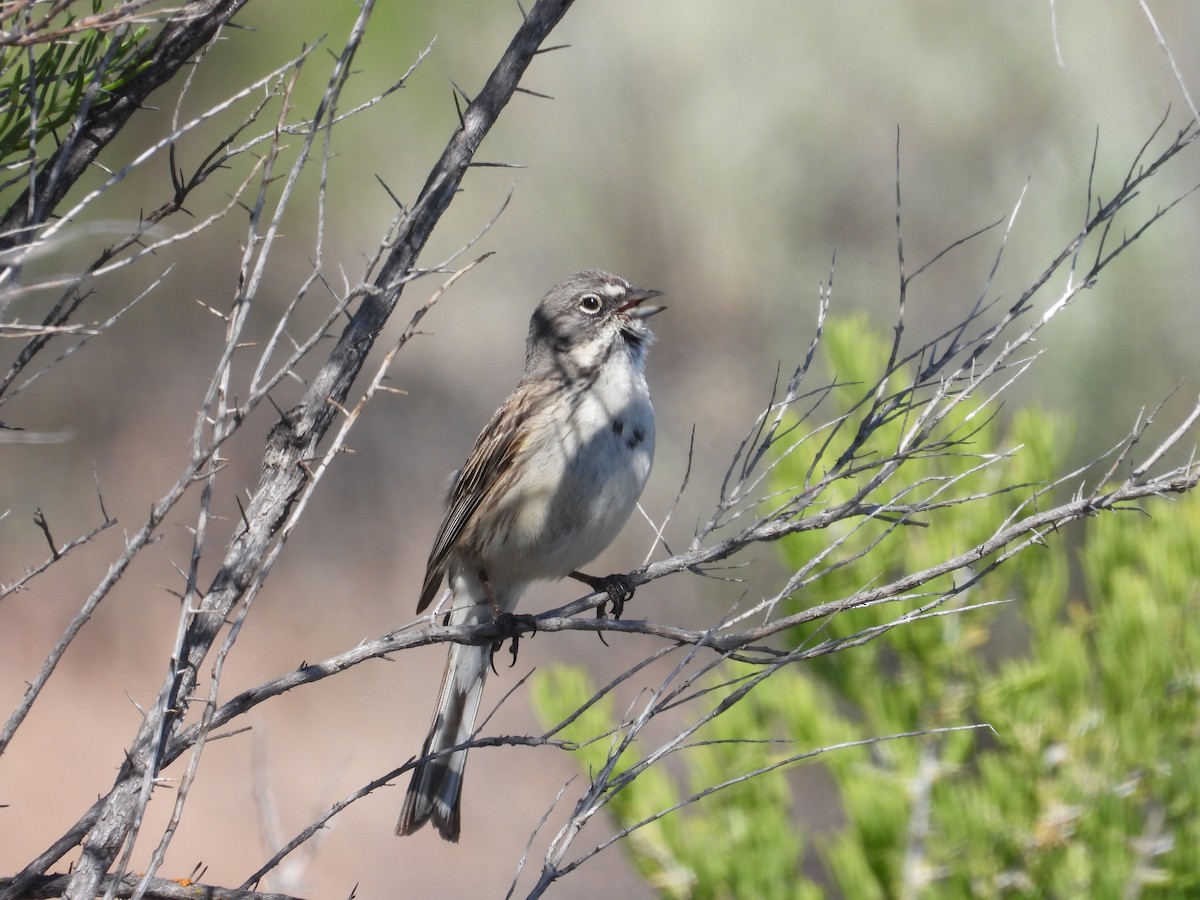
column 590, row 304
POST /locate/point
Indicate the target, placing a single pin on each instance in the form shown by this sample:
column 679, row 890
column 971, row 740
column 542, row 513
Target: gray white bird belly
column 588, row 483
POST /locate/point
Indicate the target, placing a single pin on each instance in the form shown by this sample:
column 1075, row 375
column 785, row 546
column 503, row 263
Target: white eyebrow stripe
column 612, row 290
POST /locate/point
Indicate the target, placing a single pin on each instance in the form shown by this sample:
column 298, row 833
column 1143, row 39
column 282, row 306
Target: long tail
column 435, row 792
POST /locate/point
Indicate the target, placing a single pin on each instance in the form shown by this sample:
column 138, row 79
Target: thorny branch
column 97, row 124
column 146, row 236
column 973, row 360
column 52, row 886
column 47, row 28
column 112, row 823
column 745, row 644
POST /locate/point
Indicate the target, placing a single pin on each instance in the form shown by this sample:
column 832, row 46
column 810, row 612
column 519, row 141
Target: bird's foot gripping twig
column 511, row 628
column 619, row 588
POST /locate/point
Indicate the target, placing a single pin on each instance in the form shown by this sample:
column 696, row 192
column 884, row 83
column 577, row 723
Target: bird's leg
column 497, row 612
column 510, row 625
column 618, row 587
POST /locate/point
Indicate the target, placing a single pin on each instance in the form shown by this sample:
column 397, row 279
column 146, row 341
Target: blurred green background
column 722, row 153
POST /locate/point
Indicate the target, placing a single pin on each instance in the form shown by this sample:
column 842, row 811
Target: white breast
column 583, row 484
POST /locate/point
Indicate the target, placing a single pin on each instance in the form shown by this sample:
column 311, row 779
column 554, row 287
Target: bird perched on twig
column 550, row 481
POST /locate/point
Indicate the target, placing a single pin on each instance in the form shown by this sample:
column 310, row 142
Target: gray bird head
column 585, row 318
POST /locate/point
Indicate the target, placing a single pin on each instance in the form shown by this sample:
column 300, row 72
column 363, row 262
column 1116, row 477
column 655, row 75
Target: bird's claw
column 619, row 588
column 511, row 627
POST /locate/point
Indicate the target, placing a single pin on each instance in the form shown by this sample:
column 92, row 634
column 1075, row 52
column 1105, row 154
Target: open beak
column 634, row 299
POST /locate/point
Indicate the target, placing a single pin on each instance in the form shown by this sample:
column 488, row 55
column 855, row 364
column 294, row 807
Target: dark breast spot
column 618, row 427
column 636, row 438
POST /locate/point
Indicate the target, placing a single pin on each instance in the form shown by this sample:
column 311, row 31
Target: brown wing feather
column 484, row 471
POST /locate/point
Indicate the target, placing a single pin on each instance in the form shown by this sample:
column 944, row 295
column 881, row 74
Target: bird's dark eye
column 590, row 304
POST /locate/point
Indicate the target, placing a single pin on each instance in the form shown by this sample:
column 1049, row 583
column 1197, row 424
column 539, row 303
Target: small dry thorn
column 390, row 192
column 282, row 414
column 40, row 520
column 461, row 92
column 458, row 108
column 216, row 312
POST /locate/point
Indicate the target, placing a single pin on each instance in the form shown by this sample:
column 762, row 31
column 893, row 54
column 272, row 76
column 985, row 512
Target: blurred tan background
column 720, row 152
